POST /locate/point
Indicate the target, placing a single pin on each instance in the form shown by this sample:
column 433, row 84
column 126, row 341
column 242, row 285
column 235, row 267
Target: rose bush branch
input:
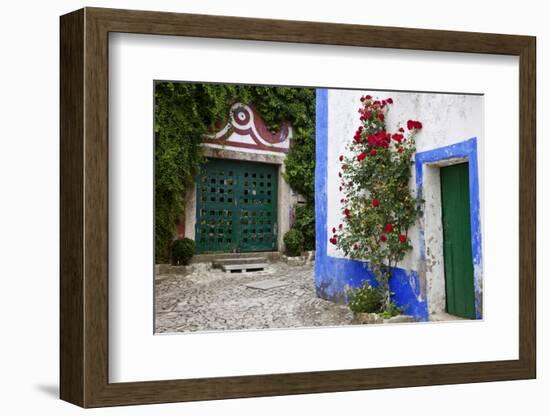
column 378, row 207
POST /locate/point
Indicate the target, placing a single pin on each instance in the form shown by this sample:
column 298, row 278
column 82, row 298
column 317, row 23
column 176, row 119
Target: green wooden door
column 457, row 241
column 236, row 207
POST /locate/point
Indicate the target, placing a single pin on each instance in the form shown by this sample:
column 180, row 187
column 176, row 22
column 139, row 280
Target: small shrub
column 305, row 223
column 294, row 242
column 366, row 299
column 391, row 310
column 182, row 251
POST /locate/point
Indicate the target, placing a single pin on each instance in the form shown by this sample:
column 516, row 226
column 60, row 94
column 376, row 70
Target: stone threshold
column 210, row 257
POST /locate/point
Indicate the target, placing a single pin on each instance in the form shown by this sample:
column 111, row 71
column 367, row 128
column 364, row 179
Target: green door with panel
column 236, row 207
column 457, row 241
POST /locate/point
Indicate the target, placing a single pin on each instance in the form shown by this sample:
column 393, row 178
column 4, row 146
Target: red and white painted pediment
column 246, row 129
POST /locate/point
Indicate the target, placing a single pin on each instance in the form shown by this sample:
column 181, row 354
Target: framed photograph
column 254, row 207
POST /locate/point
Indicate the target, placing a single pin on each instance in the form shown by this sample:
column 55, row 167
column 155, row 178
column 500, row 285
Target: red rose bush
column 378, row 207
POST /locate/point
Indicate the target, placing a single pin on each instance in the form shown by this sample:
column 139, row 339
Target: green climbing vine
column 185, row 112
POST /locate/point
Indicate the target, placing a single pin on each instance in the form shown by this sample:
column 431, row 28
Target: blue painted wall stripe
column 321, row 160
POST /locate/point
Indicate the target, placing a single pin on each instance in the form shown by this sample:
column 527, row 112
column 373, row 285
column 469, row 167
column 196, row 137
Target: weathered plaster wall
column 190, row 213
column 447, row 119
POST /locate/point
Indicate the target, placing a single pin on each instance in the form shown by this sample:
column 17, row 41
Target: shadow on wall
column 51, row 390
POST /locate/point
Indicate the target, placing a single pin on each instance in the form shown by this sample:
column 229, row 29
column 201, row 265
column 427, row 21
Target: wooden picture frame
column 84, row 207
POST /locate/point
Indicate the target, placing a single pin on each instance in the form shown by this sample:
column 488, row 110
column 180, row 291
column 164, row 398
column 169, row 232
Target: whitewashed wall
column 446, row 119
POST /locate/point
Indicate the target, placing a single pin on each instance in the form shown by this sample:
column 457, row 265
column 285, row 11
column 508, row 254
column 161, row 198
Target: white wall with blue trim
column 452, row 131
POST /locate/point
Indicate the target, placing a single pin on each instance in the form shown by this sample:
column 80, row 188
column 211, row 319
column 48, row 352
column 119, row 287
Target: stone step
column 239, row 268
column 267, row 284
column 238, row 260
column 210, row 257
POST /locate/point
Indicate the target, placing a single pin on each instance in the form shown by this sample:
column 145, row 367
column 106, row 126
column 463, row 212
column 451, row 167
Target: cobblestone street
column 211, row 300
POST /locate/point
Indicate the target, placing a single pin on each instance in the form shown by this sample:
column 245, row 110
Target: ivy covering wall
column 184, row 112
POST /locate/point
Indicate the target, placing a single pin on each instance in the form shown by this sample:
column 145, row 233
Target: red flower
column 340, row 226
column 401, row 130
column 397, row 137
column 383, row 237
column 361, row 156
column 355, row 246
column 400, row 150
column 402, row 238
column 362, row 99
column 341, row 158
column 412, row 124
column 373, row 152
column 347, row 213
column 389, row 101
column 388, row 228
column 381, row 117
column 368, row 97
column 357, row 137
column 368, row 114
column 333, row 230
column 375, row 202
column 333, row 240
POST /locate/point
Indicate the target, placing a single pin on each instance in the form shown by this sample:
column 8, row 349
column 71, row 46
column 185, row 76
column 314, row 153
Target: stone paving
column 211, row 300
